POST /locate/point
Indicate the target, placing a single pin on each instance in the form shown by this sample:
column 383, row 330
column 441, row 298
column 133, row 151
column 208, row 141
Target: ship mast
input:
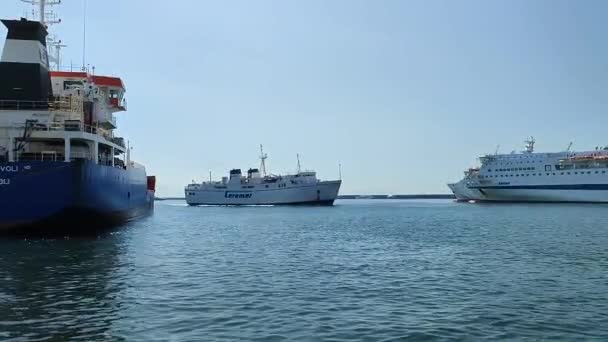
column 299, row 166
column 263, row 157
column 530, row 145
column 47, row 18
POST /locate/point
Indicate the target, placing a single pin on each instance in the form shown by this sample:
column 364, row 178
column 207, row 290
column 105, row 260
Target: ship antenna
column 299, row 166
column 569, row 147
column 263, row 157
column 530, row 145
column 497, row 148
column 340, row 171
column 84, row 35
column 48, row 18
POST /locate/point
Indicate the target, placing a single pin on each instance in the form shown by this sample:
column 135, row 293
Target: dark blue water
column 362, row 270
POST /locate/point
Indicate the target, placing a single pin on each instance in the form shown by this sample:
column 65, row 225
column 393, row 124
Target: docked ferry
column 61, row 165
column 530, row 176
column 259, row 188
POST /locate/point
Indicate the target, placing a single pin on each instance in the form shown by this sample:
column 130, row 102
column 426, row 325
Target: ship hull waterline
column 599, row 194
column 77, row 197
column 321, row 194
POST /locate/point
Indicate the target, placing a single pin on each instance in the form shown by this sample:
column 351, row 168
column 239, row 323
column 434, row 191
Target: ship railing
column 23, row 105
column 80, row 155
column 40, row 156
column 72, row 104
column 58, row 156
column 71, row 68
column 72, row 125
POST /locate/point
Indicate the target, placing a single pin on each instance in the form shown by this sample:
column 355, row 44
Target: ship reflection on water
column 60, row 288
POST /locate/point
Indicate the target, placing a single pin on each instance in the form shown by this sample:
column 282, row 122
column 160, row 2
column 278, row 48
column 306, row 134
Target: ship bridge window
column 114, row 94
column 71, row 84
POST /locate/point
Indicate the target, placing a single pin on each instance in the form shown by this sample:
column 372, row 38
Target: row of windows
column 514, row 169
column 540, row 174
column 517, row 162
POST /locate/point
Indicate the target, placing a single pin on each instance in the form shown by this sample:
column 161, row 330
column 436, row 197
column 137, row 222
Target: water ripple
column 368, row 271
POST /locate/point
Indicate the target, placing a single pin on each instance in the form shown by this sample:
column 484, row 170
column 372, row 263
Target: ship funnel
column 24, row 66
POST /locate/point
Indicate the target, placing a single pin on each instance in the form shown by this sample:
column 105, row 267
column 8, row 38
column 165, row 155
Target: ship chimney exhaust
column 24, row 65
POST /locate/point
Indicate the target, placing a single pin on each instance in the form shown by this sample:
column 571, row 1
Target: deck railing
column 23, row 105
column 59, row 157
column 73, row 126
column 59, row 103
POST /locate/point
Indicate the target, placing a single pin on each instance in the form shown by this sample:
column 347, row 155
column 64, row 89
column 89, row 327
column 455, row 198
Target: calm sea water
column 362, row 270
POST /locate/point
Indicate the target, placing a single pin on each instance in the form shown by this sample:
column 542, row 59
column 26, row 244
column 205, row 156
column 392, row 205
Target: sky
column 405, row 95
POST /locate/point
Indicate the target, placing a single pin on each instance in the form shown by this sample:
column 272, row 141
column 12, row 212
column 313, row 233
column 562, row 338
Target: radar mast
column 299, row 166
column 41, row 11
column 263, row 157
column 530, row 145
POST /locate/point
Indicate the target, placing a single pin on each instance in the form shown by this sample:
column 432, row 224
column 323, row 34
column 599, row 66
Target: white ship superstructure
column 543, row 177
column 257, row 188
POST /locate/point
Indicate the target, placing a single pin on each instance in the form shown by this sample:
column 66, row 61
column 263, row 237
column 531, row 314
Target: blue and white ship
column 61, row 165
column 531, row 176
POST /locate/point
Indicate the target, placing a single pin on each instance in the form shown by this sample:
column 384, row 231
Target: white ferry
column 258, row 188
column 542, row 177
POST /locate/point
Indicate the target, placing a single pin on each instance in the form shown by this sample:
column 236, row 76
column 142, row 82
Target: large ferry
column 542, row 177
column 258, row 188
column 61, row 165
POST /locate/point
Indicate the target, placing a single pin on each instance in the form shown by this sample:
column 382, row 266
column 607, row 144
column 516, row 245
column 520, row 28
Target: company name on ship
column 9, row 168
column 237, row 194
column 5, row 181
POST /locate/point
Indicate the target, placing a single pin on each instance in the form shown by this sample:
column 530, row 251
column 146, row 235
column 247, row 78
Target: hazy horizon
column 405, row 95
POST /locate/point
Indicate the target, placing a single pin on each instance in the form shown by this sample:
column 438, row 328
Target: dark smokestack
column 24, row 67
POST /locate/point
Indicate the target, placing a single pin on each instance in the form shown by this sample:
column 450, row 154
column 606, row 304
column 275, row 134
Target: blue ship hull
column 79, row 196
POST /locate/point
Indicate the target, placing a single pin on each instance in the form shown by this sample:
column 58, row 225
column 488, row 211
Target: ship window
column 69, row 84
column 554, row 173
column 567, row 172
column 576, row 173
column 547, row 167
column 588, row 172
column 597, row 172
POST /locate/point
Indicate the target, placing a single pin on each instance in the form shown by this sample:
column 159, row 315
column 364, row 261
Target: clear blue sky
column 405, row 94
